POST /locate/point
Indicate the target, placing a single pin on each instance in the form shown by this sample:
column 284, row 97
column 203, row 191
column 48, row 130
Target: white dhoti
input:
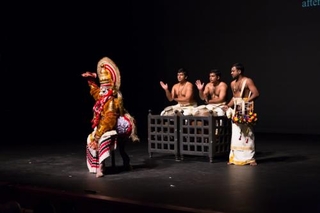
column 204, row 110
column 242, row 148
column 107, row 143
column 187, row 109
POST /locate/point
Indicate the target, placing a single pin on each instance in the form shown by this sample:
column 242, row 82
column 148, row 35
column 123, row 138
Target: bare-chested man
column 250, row 91
column 214, row 94
column 242, row 149
column 182, row 93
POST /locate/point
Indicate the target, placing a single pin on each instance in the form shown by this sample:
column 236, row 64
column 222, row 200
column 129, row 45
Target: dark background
column 46, row 46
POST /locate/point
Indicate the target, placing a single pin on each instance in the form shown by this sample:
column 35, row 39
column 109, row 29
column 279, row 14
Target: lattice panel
column 163, row 134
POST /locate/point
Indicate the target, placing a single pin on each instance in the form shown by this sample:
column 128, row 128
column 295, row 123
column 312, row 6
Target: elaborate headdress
column 108, row 73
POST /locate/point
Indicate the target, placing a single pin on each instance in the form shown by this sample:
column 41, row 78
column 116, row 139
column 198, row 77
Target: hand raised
column 199, row 84
column 89, row 74
column 163, row 85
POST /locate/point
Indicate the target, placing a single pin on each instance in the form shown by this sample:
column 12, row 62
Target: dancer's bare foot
column 100, row 171
column 229, row 163
column 253, row 163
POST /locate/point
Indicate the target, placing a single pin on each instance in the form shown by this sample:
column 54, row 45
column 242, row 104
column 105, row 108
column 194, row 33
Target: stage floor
column 286, row 179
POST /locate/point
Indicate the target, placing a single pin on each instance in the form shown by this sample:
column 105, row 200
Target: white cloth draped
column 242, row 148
column 187, row 109
column 107, row 143
column 203, row 110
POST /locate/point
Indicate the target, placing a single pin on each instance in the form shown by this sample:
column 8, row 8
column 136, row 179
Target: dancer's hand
column 93, row 145
column 89, row 74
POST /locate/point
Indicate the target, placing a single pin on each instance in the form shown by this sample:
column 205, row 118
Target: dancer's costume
column 242, row 149
column 110, row 120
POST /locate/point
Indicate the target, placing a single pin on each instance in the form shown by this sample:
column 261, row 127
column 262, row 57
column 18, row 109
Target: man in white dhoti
column 242, row 148
column 182, row 93
column 214, row 94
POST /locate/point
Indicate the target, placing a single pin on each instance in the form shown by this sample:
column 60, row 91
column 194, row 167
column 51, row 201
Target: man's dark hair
column 216, row 71
column 184, row 71
column 239, row 66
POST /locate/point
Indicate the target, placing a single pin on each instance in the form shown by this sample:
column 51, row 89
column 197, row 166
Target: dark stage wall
column 45, row 48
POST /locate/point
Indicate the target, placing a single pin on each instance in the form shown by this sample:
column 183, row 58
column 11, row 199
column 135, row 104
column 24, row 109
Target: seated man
column 214, row 95
column 182, row 93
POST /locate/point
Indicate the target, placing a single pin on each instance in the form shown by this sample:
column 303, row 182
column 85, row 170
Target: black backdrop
column 45, row 47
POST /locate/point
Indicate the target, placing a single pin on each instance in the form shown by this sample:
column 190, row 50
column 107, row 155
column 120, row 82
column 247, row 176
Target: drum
column 201, row 111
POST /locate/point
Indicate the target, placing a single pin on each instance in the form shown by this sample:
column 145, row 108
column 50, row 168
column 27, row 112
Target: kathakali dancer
column 112, row 124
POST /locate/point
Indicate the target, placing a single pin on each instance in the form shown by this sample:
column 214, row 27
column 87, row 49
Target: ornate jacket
column 107, row 109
